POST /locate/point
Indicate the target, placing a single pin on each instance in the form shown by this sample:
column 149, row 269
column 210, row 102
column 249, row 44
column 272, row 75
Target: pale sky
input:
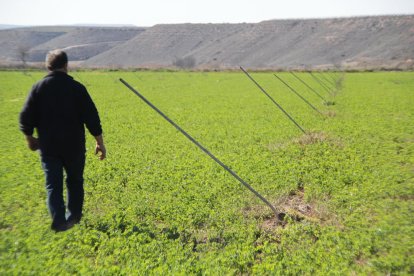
column 152, row 12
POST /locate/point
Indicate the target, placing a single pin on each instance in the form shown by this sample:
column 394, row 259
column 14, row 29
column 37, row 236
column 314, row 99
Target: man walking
column 59, row 107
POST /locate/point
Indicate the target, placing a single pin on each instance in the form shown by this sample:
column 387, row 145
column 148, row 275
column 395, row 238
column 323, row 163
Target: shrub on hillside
column 185, row 62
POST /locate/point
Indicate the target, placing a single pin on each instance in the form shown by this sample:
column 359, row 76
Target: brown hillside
column 351, row 42
column 382, row 42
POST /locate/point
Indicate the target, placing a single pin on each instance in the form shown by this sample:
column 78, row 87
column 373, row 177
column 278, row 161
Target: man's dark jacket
column 59, row 107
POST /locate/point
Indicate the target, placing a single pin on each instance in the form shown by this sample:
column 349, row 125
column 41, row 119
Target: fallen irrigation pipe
column 294, row 91
column 329, row 76
column 308, row 86
column 334, row 76
column 202, row 148
column 323, row 77
column 319, row 77
column 278, row 105
column 320, row 83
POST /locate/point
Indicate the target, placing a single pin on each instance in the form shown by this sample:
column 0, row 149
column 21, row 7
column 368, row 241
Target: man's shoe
column 60, row 227
column 74, row 219
column 70, row 223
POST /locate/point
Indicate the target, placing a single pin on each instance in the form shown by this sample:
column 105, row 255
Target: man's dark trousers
column 53, row 166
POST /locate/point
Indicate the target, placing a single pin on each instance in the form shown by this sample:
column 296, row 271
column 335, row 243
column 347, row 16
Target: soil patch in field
column 292, row 208
column 309, row 138
column 329, row 113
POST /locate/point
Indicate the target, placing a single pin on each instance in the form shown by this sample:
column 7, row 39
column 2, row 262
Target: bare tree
column 23, row 54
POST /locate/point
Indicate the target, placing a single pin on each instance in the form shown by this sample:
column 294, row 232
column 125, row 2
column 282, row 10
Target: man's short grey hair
column 56, row 59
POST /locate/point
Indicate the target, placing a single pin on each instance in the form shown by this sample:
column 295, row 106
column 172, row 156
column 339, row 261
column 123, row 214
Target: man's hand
column 100, row 147
column 102, row 150
column 32, row 143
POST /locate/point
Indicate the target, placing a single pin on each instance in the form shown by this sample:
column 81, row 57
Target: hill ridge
column 366, row 42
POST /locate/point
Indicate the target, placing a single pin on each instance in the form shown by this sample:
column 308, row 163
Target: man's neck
column 63, row 70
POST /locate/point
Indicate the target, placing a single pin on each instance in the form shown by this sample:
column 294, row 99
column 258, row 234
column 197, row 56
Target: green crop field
column 159, row 205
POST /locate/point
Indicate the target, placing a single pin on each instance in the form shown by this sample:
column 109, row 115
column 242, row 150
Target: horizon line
column 120, row 25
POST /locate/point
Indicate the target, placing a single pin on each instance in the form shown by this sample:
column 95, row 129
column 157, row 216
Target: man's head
column 57, row 60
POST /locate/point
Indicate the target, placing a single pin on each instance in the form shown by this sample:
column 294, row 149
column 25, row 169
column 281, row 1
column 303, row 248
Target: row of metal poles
column 328, row 82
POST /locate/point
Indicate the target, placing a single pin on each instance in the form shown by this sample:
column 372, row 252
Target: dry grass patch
column 308, row 139
column 311, row 138
column 329, row 113
column 292, row 208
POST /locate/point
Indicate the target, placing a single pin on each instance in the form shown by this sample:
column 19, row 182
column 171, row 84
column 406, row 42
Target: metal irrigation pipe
column 278, row 105
column 323, row 81
column 309, row 87
column 331, row 76
column 320, row 83
column 325, row 78
column 334, row 78
column 294, row 91
column 202, row 148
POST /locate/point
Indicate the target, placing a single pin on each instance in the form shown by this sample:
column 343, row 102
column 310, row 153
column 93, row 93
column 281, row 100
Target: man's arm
column 90, row 114
column 93, row 122
column 28, row 120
